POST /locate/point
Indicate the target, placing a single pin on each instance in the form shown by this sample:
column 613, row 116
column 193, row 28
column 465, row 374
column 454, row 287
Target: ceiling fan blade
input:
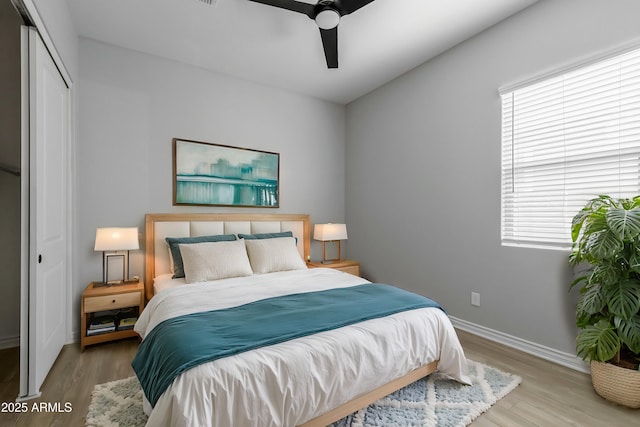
column 330, row 45
column 350, row 6
column 293, row 5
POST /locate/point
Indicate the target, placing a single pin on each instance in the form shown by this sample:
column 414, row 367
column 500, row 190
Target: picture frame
column 208, row 174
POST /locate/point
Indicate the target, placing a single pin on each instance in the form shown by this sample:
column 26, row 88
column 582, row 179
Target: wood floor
column 550, row 395
column 71, row 380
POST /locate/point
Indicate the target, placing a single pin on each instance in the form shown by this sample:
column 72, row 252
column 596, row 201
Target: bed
column 311, row 377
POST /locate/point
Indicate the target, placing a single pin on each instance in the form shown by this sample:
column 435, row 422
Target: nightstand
column 348, row 266
column 127, row 299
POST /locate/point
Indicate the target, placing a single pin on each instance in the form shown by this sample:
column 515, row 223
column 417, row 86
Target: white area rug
column 434, row 401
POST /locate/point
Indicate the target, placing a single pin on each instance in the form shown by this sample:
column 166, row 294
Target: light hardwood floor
column 549, row 396
column 71, row 380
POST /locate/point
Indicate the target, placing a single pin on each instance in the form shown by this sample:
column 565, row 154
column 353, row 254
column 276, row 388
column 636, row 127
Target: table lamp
column 330, row 233
column 116, row 242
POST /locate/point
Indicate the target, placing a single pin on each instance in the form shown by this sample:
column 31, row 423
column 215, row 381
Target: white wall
column 131, row 105
column 423, row 171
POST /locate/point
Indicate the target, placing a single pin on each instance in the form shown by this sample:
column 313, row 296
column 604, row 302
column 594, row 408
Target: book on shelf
column 102, row 322
column 98, row 323
column 127, row 323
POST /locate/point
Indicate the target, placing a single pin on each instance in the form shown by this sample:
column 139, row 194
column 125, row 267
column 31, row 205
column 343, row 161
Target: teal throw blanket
column 183, row 342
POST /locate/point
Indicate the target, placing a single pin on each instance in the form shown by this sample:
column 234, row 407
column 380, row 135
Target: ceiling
column 280, row 48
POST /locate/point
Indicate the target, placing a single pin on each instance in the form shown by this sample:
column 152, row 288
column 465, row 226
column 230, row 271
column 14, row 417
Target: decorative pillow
column 265, row 235
column 276, row 254
column 174, row 243
column 214, row 260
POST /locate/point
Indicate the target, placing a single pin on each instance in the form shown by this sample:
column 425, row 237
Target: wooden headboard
column 160, row 226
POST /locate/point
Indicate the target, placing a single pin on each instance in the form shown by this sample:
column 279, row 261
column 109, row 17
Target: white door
column 48, row 133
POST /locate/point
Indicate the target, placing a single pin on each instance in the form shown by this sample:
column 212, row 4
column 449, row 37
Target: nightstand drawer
column 347, row 266
column 351, row 269
column 111, row 302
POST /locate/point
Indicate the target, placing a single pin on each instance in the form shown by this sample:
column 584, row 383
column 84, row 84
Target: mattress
column 290, row 383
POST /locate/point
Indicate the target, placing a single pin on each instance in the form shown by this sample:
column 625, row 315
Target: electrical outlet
column 475, row 299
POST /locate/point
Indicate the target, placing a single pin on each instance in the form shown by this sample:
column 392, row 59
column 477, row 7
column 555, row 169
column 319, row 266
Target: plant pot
column 616, row 384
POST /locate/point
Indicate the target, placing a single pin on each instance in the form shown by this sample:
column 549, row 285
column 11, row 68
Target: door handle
column 39, row 259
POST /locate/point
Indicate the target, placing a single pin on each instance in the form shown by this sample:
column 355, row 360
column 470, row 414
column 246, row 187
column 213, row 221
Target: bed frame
column 160, row 226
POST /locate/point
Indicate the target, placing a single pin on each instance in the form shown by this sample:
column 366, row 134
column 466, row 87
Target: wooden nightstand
column 348, row 266
column 109, row 298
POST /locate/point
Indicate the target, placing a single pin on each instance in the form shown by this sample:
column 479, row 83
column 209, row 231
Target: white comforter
column 290, row 383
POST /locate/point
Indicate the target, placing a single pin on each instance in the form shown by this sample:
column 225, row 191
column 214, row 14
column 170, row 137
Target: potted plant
column 606, row 236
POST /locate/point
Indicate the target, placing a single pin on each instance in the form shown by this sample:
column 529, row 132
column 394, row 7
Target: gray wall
column 10, row 23
column 130, row 107
column 423, row 171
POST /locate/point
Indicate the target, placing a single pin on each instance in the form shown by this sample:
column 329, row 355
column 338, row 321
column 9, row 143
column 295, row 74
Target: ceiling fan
column 327, row 14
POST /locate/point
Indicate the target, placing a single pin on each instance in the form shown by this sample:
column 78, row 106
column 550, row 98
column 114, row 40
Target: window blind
column 566, row 140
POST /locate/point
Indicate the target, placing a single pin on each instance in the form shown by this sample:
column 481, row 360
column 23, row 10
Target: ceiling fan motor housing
column 328, row 18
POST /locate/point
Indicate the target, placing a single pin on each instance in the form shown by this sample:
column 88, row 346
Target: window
column 565, row 140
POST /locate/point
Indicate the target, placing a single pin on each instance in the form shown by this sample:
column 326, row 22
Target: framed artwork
column 221, row 175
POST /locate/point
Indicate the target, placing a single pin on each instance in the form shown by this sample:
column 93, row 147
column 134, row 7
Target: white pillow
column 170, row 259
column 214, row 260
column 277, row 254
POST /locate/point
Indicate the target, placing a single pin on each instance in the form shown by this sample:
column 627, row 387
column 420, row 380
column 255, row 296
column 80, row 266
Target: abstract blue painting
column 214, row 174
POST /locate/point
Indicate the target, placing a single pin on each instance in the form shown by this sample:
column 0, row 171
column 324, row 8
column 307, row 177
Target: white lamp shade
column 116, row 239
column 329, row 232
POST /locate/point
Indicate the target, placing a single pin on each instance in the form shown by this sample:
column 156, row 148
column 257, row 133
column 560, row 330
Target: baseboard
column 29, row 397
column 9, row 342
column 541, row 351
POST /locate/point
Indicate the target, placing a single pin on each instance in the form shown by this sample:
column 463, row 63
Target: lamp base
column 329, row 261
column 101, row 284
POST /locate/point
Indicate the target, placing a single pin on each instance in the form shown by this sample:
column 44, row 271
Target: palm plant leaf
column 623, row 298
column 597, row 221
column 624, row 223
column 603, row 244
column 634, row 259
column 592, row 301
column 598, row 342
column 576, row 223
column 605, row 274
column 629, row 332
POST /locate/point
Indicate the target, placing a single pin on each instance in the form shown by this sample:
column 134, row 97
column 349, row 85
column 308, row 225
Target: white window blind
column 566, row 140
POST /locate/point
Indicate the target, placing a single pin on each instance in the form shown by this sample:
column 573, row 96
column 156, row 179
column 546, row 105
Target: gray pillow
column 266, row 235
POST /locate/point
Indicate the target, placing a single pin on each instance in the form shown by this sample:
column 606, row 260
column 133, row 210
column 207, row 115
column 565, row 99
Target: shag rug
column 434, row 401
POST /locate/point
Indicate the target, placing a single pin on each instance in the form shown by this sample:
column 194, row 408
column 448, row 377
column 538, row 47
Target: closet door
column 48, row 133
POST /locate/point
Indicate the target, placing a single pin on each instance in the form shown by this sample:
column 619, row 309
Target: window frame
column 512, row 168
